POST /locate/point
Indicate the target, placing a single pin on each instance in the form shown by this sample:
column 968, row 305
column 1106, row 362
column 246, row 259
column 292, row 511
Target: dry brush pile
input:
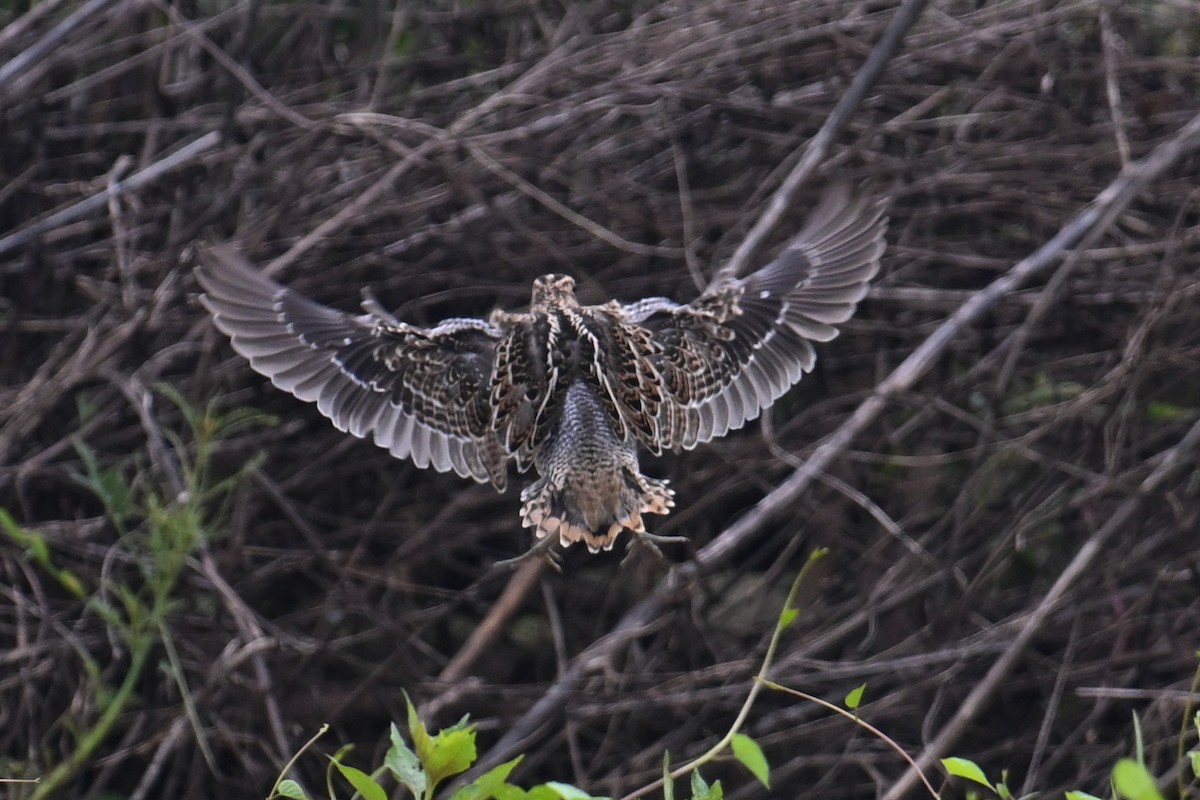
column 1014, row 565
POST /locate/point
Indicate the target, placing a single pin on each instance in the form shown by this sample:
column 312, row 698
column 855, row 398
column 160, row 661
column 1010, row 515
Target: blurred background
column 197, row 570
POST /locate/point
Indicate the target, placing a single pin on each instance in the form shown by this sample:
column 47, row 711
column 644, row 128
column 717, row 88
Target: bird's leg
column 656, row 498
column 540, row 547
column 651, row 541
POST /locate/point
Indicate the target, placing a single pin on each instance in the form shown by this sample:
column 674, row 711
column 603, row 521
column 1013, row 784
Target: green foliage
column 433, row 758
column 747, row 751
column 161, row 517
column 969, row 770
column 787, row 617
column 701, row 790
column 450, row 752
column 363, row 783
column 965, row 768
column 36, row 548
column 1130, row 778
column 1194, row 755
column 404, row 764
column 1133, row 781
column 430, row 760
column 855, row 696
column 289, row 788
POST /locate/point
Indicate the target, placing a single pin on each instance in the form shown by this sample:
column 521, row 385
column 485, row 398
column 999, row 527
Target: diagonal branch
column 115, row 188
column 818, row 146
column 1169, row 462
column 1103, row 210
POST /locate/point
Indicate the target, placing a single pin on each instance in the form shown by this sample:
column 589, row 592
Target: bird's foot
column 651, row 541
column 539, row 548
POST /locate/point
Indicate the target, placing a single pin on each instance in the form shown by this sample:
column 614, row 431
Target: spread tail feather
column 545, row 508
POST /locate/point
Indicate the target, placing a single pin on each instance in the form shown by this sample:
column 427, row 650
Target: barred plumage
column 570, row 390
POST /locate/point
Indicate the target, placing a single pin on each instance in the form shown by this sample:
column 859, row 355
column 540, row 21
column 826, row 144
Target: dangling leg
column 657, row 498
column 540, row 547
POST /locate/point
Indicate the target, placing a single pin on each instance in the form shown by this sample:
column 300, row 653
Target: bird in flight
column 572, row 390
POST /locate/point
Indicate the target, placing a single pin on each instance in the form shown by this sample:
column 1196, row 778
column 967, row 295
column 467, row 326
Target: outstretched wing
column 733, row 351
column 422, row 393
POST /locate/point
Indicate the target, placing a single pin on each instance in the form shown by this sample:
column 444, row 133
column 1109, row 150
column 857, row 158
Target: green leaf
column 453, row 752
column 490, row 784
column 965, row 768
column 109, row 485
column 289, row 788
column 566, row 791
column 71, row 583
column 668, row 781
column 416, row 728
column 854, row 699
column 363, row 783
column 1082, row 796
column 1133, row 781
column 558, row 791
column 702, row 791
column 1001, row 788
column 506, row 792
column 747, row 751
column 462, row 725
column 787, row 617
column 35, row 545
column 1194, row 756
column 404, row 764
column 450, row 752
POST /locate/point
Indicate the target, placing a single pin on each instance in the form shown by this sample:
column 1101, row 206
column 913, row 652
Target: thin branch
column 818, row 146
column 53, row 38
column 491, row 628
column 100, row 200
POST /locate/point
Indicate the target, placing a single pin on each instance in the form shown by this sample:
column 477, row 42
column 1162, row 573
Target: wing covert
column 422, row 393
column 738, row 347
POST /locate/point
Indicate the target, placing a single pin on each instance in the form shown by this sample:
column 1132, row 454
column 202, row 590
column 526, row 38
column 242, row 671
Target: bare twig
column 815, row 150
column 522, row 582
column 53, row 38
column 1112, row 89
column 98, row 201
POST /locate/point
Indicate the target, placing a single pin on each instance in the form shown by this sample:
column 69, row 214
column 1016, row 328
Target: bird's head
column 553, row 292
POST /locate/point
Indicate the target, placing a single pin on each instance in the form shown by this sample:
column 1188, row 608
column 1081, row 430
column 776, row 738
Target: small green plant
column 161, row 516
column 1130, row 778
column 700, row 789
column 421, row 767
column 1193, row 755
column 432, row 759
column 969, row 770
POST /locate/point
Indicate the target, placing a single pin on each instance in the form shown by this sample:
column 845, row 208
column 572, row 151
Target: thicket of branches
column 445, row 154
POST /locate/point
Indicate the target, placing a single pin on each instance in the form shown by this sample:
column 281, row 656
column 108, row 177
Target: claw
column 542, row 546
